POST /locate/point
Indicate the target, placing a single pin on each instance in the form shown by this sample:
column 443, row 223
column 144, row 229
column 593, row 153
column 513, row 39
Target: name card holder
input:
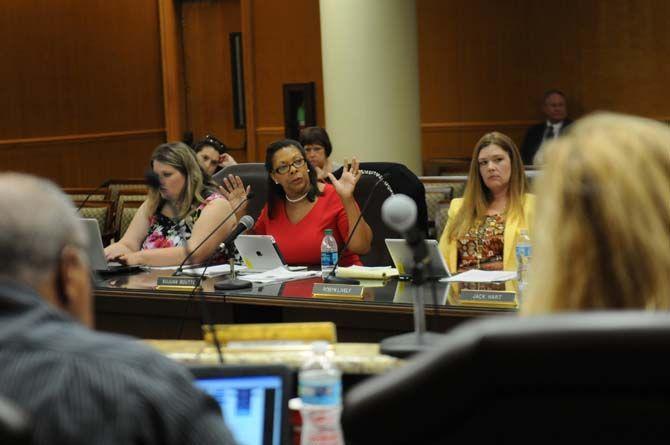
column 179, row 284
column 491, row 298
column 337, row 291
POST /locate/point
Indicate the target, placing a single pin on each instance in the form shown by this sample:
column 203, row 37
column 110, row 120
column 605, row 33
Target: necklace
column 297, row 199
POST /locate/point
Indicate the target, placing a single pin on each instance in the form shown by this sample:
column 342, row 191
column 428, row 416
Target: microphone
column 232, row 283
column 104, row 184
column 152, row 179
column 246, row 223
column 399, row 213
column 249, row 196
column 331, row 278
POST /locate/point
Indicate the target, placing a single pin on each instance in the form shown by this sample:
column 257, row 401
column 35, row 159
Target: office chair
column 584, row 377
column 253, row 174
column 400, row 180
column 14, row 424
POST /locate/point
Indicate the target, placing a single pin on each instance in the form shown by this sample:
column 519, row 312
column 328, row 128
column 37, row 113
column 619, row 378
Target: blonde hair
column 181, row 157
column 604, row 214
column 477, row 196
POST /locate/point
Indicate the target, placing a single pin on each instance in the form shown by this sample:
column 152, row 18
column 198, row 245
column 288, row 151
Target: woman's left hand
column 346, row 185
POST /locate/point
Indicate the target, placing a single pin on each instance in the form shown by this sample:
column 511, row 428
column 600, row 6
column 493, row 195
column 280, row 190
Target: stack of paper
column 482, row 276
column 280, row 274
column 370, row 273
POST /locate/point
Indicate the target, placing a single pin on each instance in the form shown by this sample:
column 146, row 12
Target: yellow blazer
column 512, row 227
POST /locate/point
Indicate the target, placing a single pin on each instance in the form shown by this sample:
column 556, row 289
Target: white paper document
column 212, row 271
column 481, row 276
column 280, row 274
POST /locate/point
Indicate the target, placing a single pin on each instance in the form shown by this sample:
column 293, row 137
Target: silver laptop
column 259, row 252
column 402, row 257
column 96, row 251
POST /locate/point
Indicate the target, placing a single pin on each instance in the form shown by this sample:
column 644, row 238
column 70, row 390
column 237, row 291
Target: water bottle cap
column 328, row 231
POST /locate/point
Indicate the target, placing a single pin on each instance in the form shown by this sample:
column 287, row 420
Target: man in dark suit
column 556, row 111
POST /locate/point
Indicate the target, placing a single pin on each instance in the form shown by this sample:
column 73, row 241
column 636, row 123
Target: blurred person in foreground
column 604, row 210
column 483, row 227
column 78, row 385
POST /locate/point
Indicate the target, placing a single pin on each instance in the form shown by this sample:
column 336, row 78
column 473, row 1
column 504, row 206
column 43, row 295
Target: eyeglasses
column 283, row 169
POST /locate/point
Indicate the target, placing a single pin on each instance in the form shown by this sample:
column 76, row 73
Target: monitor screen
column 251, row 406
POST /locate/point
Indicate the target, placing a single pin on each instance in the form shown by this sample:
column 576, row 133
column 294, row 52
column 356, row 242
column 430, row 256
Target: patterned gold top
column 482, row 246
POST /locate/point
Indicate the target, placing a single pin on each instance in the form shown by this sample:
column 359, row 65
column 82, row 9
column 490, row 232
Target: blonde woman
column 483, row 226
column 176, row 217
column 605, row 218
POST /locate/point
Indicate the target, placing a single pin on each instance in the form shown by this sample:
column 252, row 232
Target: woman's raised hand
column 234, row 191
column 346, row 185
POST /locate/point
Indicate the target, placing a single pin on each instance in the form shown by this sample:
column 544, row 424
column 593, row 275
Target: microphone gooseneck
column 249, row 196
column 331, row 278
column 104, row 184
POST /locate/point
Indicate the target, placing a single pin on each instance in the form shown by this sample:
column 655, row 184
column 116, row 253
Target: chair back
column 123, row 196
column 584, row 377
column 253, row 174
column 99, row 210
column 400, row 180
column 81, row 193
column 127, row 213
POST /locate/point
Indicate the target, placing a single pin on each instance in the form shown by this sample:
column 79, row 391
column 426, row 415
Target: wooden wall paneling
column 248, row 61
column 81, row 88
column 484, row 65
column 208, row 70
column 286, row 49
column 83, row 160
column 78, row 68
column 172, row 68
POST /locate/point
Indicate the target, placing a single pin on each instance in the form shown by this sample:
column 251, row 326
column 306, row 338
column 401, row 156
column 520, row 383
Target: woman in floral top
column 175, row 217
column 483, row 226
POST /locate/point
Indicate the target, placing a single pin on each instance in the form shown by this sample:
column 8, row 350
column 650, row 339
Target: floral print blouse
column 166, row 232
column 482, row 246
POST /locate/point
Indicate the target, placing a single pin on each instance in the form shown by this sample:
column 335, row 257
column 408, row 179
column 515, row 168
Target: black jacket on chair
column 533, row 140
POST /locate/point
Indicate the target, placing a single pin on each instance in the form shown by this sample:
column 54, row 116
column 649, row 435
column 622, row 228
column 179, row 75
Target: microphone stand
column 404, row 345
column 231, row 283
column 179, row 270
column 331, row 278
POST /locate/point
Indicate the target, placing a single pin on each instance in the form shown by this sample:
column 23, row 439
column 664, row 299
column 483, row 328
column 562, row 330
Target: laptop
column 253, row 400
column 96, row 252
column 259, row 252
column 402, row 257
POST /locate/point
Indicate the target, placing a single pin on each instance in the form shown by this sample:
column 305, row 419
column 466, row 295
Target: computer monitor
column 253, row 400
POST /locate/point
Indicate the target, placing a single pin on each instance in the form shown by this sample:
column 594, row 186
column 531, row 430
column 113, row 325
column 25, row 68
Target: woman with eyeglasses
column 318, row 148
column 211, row 154
column 300, row 208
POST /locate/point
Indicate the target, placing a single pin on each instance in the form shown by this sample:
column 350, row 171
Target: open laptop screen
column 253, row 400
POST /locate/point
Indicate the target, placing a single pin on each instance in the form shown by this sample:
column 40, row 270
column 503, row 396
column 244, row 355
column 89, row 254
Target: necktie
column 550, row 132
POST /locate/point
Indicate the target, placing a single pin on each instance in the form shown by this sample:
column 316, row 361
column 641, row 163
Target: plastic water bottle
column 524, row 252
column 320, row 389
column 328, row 253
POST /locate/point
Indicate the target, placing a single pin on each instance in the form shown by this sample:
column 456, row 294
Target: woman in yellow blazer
column 483, row 226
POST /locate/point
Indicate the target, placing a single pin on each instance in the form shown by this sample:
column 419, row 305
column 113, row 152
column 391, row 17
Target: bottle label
column 328, row 259
column 523, row 250
column 329, row 393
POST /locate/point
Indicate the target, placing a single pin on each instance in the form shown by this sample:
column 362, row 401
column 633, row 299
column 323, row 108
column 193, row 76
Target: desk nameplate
column 337, row 291
column 182, row 284
column 498, row 298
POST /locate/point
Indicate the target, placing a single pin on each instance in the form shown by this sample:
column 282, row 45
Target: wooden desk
column 350, row 358
column 131, row 305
